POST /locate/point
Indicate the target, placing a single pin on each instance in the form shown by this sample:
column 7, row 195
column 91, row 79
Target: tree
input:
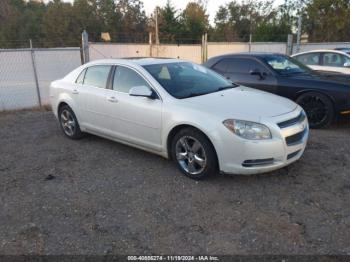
column 274, row 31
column 20, row 21
column 169, row 25
column 108, row 16
column 85, row 16
column 327, row 20
column 133, row 21
column 58, row 25
column 194, row 22
column 236, row 21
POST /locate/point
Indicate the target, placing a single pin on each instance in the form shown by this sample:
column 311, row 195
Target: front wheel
column 319, row 109
column 194, row 154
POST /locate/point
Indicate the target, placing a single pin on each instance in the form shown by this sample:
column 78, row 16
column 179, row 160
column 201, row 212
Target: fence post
column 250, row 42
column 35, row 71
column 204, row 48
column 150, row 43
column 85, row 46
column 289, row 50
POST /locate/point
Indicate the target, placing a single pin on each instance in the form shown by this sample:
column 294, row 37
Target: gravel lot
column 94, row 196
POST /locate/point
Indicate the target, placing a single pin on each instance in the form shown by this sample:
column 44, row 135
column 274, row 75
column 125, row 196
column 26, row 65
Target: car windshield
column 184, row 79
column 286, row 65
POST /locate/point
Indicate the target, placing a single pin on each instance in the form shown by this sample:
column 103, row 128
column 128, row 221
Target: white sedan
column 181, row 111
column 337, row 61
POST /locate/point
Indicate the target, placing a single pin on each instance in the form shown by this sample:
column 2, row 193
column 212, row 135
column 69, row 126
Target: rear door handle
column 112, row 99
column 75, row 92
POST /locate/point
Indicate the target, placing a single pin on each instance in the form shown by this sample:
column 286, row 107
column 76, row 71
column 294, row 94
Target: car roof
column 342, row 52
column 142, row 61
column 252, row 54
column 342, row 48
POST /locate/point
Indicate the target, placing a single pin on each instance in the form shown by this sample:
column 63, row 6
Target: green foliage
column 327, row 20
column 235, row 21
column 132, row 21
column 194, row 22
column 20, row 21
column 59, row 23
column 169, row 25
column 272, row 32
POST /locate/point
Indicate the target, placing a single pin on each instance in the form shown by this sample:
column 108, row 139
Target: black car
column 323, row 97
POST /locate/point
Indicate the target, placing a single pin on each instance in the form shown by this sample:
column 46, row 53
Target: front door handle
column 112, row 99
column 75, row 92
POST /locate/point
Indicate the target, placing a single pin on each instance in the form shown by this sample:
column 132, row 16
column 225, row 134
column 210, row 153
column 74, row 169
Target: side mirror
column 347, row 64
column 257, row 72
column 142, row 91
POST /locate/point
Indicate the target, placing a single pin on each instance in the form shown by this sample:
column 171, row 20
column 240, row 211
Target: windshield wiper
column 213, row 91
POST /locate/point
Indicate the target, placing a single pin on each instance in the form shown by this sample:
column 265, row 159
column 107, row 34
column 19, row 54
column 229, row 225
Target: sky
column 212, row 5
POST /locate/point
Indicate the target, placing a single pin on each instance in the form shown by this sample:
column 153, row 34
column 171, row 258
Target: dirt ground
column 94, row 196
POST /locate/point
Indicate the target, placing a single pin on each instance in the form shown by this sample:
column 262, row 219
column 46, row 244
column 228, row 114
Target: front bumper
column 241, row 156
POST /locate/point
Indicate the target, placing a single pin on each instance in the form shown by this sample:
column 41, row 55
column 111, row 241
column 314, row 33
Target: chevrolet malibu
column 181, row 111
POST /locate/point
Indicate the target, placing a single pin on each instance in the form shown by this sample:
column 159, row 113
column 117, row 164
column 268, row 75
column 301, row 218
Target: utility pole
column 157, row 32
column 85, row 46
column 300, row 21
column 299, row 33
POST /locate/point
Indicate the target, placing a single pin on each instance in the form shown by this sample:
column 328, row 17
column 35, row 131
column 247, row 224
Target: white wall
column 187, row 52
column 215, row 49
column 314, row 46
column 194, row 52
column 102, row 50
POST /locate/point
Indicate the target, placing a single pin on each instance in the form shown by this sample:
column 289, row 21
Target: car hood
column 242, row 103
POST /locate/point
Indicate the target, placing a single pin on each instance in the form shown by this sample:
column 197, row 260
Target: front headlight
column 248, row 130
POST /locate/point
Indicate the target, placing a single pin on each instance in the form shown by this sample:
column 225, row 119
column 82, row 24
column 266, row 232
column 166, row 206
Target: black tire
column 206, row 152
column 66, row 112
column 319, row 109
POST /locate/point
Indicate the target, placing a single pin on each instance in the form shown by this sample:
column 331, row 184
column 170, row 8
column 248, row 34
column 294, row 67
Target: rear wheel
column 194, row 154
column 319, row 109
column 69, row 123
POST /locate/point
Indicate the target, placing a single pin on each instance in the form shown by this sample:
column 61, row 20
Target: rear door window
column 221, row 66
column 97, row 76
column 333, row 60
column 309, row 59
column 80, row 79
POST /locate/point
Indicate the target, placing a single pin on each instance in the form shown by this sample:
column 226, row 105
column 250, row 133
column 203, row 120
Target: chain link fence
column 25, row 74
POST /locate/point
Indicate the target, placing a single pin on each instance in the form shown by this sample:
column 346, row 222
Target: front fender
column 196, row 119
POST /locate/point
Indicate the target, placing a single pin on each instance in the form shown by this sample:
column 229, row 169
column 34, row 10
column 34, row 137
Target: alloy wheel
column 68, row 123
column 190, row 155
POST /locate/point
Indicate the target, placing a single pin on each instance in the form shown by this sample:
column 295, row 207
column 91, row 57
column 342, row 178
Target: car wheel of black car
column 318, row 107
column 194, row 154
